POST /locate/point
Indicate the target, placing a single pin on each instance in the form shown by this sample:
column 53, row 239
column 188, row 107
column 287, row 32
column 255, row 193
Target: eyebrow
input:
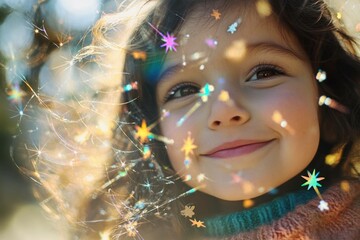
column 278, row 48
column 261, row 46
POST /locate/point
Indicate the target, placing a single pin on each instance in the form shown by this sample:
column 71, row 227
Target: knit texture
column 296, row 216
column 261, row 215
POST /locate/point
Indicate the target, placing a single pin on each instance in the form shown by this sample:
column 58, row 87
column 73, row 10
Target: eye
column 182, row 90
column 265, row 71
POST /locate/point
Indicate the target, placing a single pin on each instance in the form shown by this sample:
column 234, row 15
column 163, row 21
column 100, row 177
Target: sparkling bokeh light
column 64, row 98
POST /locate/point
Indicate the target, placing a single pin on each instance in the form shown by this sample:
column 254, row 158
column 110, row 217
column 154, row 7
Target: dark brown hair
column 323, row 38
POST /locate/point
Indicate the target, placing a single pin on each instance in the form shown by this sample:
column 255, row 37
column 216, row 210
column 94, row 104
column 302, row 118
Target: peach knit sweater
column 305, row 222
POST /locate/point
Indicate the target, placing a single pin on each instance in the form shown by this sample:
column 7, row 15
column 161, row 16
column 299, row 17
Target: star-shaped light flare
column 197, row 223
column 216, row 14
column 312, row 181
column 170, row 43
column 143, row 132
column 189, row 145
column 169, row 40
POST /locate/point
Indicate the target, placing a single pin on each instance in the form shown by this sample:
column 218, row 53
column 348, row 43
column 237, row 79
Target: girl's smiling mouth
column 236, row 148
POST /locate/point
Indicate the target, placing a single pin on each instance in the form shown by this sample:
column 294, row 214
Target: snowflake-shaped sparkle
column 233, row 27
column 323, row 206
column 188, row 211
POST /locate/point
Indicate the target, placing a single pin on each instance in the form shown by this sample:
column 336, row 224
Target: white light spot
column 283, row 124
column 328, row 101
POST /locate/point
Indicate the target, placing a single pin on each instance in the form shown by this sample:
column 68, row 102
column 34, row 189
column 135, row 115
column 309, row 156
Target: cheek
column 293, row 115
column 179, row 135
column 292, row 111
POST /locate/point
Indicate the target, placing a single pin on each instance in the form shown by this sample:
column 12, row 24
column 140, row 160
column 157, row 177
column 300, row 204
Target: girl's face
column 259, row 127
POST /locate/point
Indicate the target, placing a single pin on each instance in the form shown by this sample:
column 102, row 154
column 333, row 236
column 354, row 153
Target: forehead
column 201, row 33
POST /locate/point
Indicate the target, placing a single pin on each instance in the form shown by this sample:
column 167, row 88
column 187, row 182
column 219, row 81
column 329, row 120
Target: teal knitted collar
column 235, row 223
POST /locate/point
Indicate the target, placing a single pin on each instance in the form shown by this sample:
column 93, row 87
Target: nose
column 226, row 114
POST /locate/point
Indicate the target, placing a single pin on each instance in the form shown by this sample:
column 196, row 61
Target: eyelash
column 171, row 93
column 256, row 70
column 264, row 67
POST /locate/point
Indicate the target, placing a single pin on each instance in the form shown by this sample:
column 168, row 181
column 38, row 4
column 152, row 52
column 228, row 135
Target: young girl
column 238, row 120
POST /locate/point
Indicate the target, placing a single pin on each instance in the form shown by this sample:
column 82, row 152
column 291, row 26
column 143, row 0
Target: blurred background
column 36, row 38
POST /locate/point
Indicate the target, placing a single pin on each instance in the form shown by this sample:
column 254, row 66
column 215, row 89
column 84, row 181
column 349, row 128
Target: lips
column 236, row 148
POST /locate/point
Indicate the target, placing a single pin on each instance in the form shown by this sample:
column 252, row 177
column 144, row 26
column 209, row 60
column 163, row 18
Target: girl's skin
column 273, row 101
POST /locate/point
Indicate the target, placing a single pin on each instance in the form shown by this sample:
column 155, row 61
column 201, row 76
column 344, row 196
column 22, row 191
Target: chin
column 232, row 194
